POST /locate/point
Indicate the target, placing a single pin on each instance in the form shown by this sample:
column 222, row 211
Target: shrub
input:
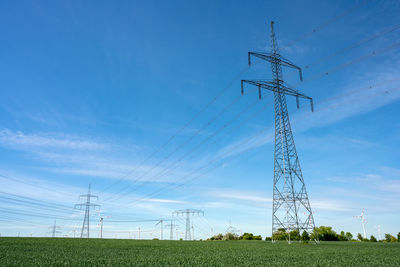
column 230, row 236
column 305, row 237
column 324, row 233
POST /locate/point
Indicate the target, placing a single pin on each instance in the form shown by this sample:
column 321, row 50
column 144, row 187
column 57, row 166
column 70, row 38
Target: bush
column 305, row 237
column 247, row 236
column 230, row 236
column 349, row 236
column 359, row 237
column 324, row 233
column 373, row 239
column 390, row 238
column 257, row 237
column 217, row 237
column 280, row 234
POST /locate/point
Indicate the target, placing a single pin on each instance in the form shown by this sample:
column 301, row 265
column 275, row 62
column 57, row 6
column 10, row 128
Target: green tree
column 267, row 238
column 295, row 235
column 398, row 237
column 389, row 237
column 217, row 237
column 373, row 239
column 342, row 236
column 280, row 234
column 230, row 236
column 324, row 233
column 247, row 236
column 359, row 237
column 305, row 237
column 349, row 236
column 257, row 237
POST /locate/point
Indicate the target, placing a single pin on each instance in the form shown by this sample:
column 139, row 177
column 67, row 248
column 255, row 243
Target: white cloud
column 329, row 205
column 166, row 201
column 19, row 140
column 242, row 196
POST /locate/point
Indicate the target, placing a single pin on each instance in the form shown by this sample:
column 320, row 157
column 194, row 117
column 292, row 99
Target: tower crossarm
column 276, row 59
column 278, row 88
column 89, row 196
column 188, row 211
column 80, row 205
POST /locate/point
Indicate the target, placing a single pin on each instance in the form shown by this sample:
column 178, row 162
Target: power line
column 209, row 163
column 220, row 93
column 171, row 167
column 351, row 62
column 32, row 204
column 37, row 215
column 318, row 28
column 341, row 51
column 325, row 24
column 219, row 114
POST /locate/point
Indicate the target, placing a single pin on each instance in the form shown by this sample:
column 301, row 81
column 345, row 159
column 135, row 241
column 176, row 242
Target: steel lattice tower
column 87, row 205
column 188, row 212
column 54, row 229
column 291, row 208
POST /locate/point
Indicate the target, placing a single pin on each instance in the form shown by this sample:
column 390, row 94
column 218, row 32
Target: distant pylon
column 87, row 205
column 188, row 212
column 54, row 230
column 378, row 228
column 291, row 207
column 101, row 222
column 171, row 227
column 193, row 231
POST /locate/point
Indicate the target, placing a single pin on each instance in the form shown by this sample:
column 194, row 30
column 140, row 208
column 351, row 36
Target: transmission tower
column 171, row 227
column 88, row 205
column 291, row 208
column 188, row 212
column 54, row 229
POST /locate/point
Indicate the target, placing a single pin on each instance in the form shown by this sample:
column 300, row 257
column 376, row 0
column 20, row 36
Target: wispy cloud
column 20, row 140
column 166, row 201
column 249, row 196
column 379, row 182
column 330, row 205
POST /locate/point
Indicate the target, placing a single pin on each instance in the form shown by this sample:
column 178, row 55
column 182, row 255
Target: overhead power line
column 351, row 62
column 317, row 28
column 341, row 51
column 325, row 24
column 214, row 164
column 174, row 165
column 219, row 94
column 181, row 145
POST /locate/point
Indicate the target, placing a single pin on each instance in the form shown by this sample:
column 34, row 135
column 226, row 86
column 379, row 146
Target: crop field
column 95, row 252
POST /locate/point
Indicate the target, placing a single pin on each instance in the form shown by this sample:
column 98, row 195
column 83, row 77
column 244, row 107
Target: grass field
column 99, row 252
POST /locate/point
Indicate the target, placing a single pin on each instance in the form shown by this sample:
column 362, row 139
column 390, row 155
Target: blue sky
column 90, row 89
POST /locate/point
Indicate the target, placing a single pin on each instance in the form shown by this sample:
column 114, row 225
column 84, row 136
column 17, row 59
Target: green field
column 100, row 252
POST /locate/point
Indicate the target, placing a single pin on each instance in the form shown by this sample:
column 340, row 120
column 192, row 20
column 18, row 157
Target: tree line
column 322, row 233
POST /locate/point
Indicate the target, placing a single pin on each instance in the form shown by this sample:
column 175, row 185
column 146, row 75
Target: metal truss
column 291, row 207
